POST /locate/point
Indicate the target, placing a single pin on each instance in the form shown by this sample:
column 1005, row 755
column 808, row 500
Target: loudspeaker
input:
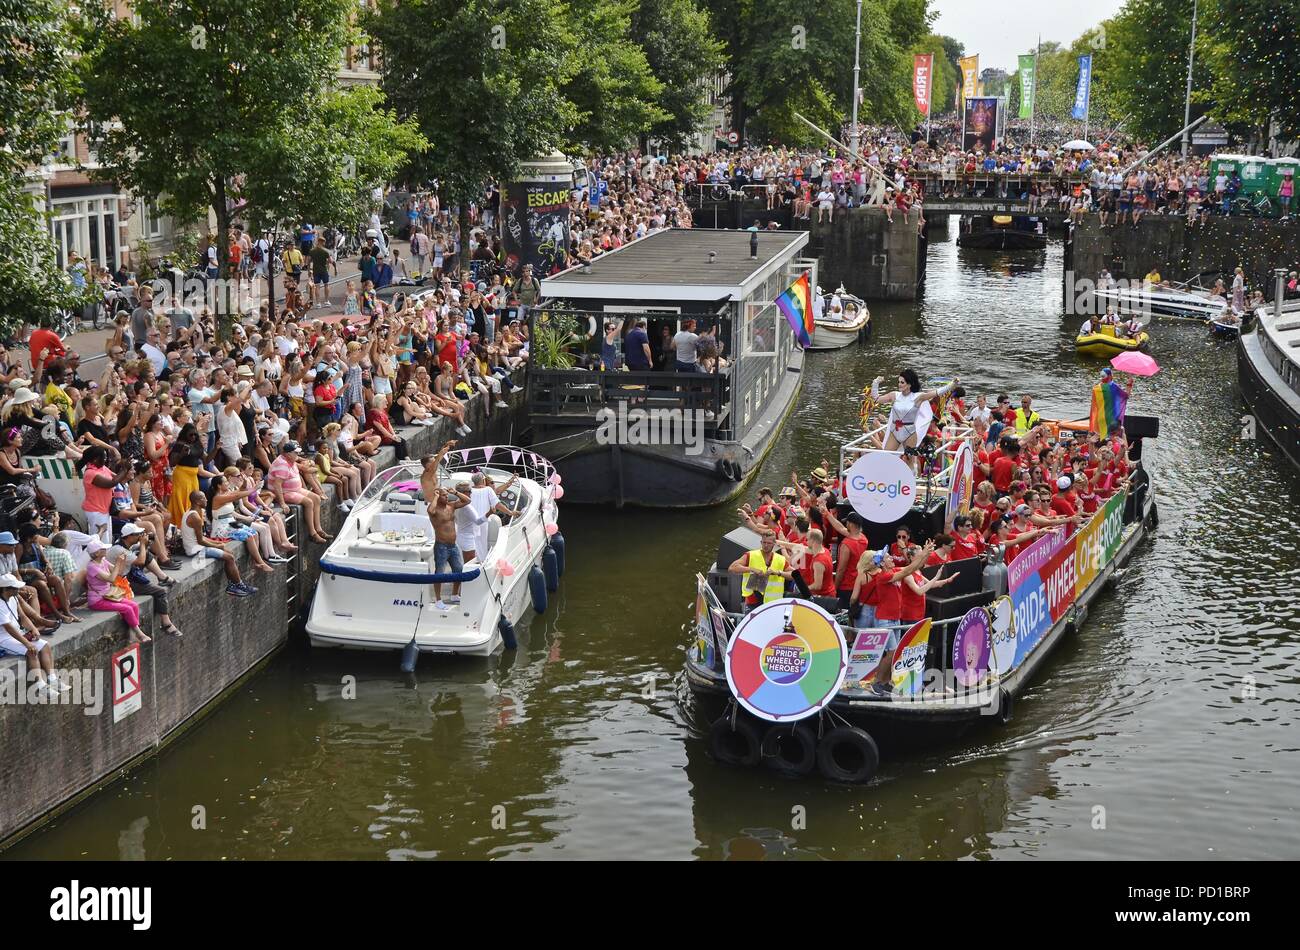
column 1141, row 427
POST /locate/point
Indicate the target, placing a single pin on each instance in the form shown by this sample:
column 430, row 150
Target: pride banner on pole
column 908, row 672
column 922, row 77
column 1028, row 85
column 796, row 304
column 970, row 68
column 1084, row 89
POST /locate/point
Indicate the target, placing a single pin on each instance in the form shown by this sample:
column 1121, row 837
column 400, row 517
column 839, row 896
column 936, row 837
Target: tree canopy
column 37, row 87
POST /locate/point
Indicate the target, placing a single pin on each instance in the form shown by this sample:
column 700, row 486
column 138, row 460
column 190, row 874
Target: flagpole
column 857, row 43
column 1033, row 102
column 1191, row 60
column 929, row 100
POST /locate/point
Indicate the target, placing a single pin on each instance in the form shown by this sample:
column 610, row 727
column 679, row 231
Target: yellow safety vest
column 1023, row 424
column 775, row 589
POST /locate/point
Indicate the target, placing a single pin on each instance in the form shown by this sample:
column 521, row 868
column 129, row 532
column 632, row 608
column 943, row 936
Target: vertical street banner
column 922, row 77
column 970, row 68
column 1084, row 89
column 1028, row 85
column 981, row 125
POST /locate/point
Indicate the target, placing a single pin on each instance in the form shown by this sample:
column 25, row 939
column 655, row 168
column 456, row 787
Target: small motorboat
column 1225, row 329
column 1104, row 343
column 378, row 577
column 833, row 331
column 1174, row 302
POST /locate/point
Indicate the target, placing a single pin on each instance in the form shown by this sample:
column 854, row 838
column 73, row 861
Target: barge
column 1025, row 609
column 622, row 432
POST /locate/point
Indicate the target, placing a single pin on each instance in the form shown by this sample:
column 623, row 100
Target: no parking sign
column 126, row 673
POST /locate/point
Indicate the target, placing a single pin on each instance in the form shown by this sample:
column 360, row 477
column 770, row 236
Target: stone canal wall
column 54, row 755
column 859, row 249
column 1180, row 252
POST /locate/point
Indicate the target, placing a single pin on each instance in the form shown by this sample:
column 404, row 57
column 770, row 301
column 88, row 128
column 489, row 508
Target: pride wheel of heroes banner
column 787, row 659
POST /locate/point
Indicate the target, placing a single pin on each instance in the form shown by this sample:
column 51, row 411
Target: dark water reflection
column 581, row 745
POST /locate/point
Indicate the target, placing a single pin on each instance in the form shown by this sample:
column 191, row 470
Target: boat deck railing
column 939, row 465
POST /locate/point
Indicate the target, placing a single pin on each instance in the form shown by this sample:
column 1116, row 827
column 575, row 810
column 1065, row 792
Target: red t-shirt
column 889, row 602
column 913, row 604
column 869, row 592
column 761, row 515
column 823, row 558
column 852, row 549
column 969, row 546
column 1090, row 503
column 1064, row 504
column 45, row 339
column 1004, row 467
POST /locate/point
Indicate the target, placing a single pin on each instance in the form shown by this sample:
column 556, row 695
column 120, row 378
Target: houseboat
column 671, row 435
column 1268, row 372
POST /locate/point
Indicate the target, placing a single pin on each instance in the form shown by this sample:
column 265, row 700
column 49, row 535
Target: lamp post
column 1187, row 102
column 857, row 65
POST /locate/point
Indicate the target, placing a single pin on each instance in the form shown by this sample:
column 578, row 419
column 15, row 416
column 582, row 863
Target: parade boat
column 665, row 437
column 832, row 333
column 1268, row 373
column 791, row 688
column 1001, row 232
column 376, row 590
column 1104, row 342
column 1171, row 302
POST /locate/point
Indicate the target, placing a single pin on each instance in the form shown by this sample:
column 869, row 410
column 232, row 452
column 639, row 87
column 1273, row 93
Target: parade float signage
column 880, row 486
column 1045, row 578
column 787, row 659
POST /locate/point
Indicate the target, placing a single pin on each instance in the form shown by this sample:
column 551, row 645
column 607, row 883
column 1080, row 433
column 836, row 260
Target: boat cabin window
column 759, row 329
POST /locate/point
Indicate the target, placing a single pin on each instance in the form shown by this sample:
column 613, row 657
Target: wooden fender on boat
column 735, row 743
column 848, row 754
column 790, row 748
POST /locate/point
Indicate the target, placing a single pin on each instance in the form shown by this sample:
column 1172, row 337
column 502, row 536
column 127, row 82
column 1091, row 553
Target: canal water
column 1163, row 730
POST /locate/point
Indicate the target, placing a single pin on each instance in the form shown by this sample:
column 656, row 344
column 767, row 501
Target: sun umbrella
column 1139, row 364
column 1078, row 145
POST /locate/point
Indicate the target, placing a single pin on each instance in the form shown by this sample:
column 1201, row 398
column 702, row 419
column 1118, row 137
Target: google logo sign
column 880, row 487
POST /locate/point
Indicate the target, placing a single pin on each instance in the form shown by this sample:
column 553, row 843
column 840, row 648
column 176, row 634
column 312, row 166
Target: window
column 759, row 329
column 87, row 227
column 151, row 226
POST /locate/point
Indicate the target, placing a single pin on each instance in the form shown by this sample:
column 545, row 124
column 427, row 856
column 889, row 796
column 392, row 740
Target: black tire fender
column 736, row 744
column 790, row 749
column 848, row 754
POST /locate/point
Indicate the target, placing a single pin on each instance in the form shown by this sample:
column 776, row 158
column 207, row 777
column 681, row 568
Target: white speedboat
column 376, row 590
column 832, row 331
column 1164, row 302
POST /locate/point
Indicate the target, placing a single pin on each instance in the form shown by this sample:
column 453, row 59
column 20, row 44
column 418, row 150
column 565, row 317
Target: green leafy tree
column 1252, row 50
column 484, row 81
column 1146, row 66
column 784, row 57
column 613, row 88
column 37, row 88
column 683, row 56
column 228, row 106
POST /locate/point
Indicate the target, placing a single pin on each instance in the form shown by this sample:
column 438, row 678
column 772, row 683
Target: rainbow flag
column 1108, row 403
column 908, row 670
column 796, row 304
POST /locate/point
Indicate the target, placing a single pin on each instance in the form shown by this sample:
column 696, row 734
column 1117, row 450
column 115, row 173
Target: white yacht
column 1181, row 302
column 376, row 590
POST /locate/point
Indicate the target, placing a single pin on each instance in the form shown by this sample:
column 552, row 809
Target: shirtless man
column 429, row 475
column 445, row 549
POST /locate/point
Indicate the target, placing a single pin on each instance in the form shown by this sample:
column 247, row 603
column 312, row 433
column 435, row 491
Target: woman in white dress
column 909, row 411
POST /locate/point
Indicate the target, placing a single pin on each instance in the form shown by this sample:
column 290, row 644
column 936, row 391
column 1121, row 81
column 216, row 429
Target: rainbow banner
column 1108, row 404
column 796, row 304
column 908, row 673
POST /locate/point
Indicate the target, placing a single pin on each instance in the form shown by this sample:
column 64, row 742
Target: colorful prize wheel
column 787, row 660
